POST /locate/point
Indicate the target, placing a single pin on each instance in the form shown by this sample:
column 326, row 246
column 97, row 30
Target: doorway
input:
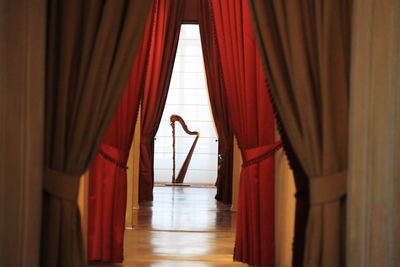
column 188, row 98
column 184, row 226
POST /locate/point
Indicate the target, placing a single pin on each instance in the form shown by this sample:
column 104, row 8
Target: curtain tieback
column 255, row 155
column 61, row 185
column 117, row 156
column 328, row 188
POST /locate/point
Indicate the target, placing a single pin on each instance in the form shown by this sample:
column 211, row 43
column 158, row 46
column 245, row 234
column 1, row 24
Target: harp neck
column 179, row 119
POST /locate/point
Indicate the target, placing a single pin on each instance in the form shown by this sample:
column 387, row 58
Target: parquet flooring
column 183, row 226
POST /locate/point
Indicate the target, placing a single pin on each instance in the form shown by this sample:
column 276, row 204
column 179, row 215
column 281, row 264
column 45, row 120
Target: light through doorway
column 188, row 98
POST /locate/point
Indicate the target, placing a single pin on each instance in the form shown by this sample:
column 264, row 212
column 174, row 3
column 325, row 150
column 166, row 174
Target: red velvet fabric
column 107, row 175
column 107, row 203
column 162, row 51
column 253, row 124
column 218, row 101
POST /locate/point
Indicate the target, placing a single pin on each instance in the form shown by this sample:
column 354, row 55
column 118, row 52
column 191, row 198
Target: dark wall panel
column 191, row 14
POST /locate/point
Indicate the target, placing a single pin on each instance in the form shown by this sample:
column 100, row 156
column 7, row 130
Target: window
column 187, row 97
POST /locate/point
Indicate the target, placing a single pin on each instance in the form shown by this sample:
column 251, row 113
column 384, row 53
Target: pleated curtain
column 253, row 123
column 306, row 51
column 162, row 51
column 90, row 51
column 108, row 172
column 218, row 102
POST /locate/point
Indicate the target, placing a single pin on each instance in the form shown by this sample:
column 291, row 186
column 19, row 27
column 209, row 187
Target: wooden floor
column 183, row 226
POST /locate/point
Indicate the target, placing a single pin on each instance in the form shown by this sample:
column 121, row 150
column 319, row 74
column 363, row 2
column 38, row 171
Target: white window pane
column 163, row 145
column 201, row 126
column 183, row 67
column 189, row 31
column 187, row 97
column 188, row 113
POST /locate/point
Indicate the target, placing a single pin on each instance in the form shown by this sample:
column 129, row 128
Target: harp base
column 176, row 184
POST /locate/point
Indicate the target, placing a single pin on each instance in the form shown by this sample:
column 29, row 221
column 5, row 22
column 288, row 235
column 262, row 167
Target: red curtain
column 107, row 176
column 219, row 105
column 165, row 35
column 253, row 124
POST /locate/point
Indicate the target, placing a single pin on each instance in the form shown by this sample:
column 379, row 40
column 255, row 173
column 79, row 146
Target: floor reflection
column 185, row 209
column 183, row 226
column 171, row 243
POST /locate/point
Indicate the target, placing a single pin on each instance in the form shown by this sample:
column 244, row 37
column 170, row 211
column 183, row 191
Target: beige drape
column 90, row 51
column 306, row 46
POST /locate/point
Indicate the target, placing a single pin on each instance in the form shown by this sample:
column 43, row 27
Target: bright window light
column 187, row 97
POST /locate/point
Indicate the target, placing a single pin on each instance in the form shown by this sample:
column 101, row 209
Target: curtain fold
column 90, row 51
column 165, row 35
column 218, row 102
column 108, row 175
column 302, row 199
column 306, row 51
column 253, row 124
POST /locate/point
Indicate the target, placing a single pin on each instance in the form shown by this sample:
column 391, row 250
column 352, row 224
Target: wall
column 83, row 204
column 191, row 14
column 237, row 167
column 133, row 178
column 285, row 204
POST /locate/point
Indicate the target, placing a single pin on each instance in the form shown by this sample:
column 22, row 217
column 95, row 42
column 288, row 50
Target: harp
column 181, row 176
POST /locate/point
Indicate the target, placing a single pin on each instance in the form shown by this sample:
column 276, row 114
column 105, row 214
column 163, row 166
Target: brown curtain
column 108, row 171
column 90, row 52
column 164, row 42
column 218, row 102
column 306, row 51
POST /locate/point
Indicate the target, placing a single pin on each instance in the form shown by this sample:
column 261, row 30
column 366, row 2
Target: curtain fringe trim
column 113, row 160
column 264, row 156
